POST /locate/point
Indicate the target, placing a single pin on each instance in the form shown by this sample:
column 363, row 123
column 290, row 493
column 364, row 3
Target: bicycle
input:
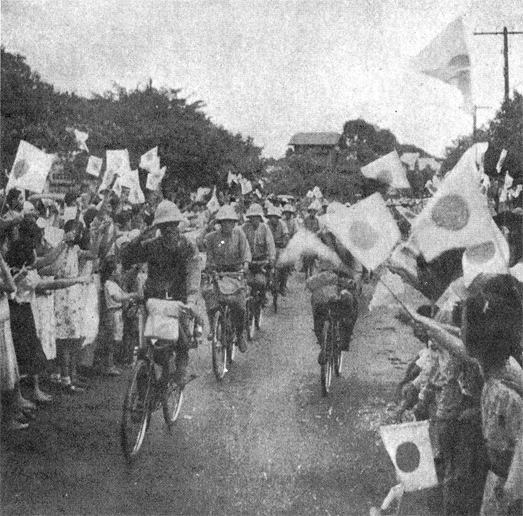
column 147, row 392
column 256, row 299
column 223, row 333
column 331, row 347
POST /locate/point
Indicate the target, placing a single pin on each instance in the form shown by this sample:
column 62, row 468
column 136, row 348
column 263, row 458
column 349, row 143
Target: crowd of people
column 71, row 272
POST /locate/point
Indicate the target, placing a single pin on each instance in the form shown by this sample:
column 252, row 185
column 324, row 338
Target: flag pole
column 396, row 298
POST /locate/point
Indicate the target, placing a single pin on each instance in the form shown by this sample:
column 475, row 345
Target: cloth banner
column 94, row 166
column 30, row 168
column 148, row 161
column 388, row 169
column 81, row 138
column 457, row 215
column 304, row 243
column 213, row 205
column 155, row 179
column 447, row 58
column 367, row 229
column 408, row 445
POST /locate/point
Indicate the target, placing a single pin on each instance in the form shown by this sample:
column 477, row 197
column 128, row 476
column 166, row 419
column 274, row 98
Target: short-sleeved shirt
column 227, row 253
column 113, row 292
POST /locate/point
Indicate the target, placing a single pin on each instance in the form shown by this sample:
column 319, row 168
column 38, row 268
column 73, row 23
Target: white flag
column 382, row 295
column 148, row 160
column 81, row 138
column 130, row 179
column 410, row 159
column 94, row 166
column 408, row 445
column 231, row 178
column 213, row 205
column 246, row 186
column 367, row 229
column 30, row 168
column 388, row 169
column 316, row 192
column 446, row 58
column 117, row 162
column 154, row 180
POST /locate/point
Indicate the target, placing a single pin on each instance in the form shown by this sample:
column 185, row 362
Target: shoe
column 112, row 371
column 242, row 343
column 72, row 389
column 322, row 359
column 42, row 397
column 16, row 425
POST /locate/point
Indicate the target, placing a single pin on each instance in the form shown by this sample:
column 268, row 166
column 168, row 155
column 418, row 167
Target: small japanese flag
column 94, row 166
column 231, row 178
column 81, row 138
column 148, row 160
column 213, row 205
column 408, row 445
column 388, row 169
column 155, row 179
column 456, row 216
column 367, row 229
column 201, row 193
column 30, row 168
column 246, row 186
column 316, row 192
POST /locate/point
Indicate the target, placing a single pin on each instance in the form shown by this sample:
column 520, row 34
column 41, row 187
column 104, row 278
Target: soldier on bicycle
column 228, row 251
column 280, row 234
column 262, row 247
column 173, row 273
column 340, row 284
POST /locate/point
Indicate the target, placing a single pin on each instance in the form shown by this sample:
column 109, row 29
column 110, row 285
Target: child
column 115, row 297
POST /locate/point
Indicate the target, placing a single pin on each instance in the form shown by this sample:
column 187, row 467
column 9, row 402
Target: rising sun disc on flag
column 21, row 168
column 451, row 212
column 363, row 235
column 408, row 457
column 385, row 176
column 481, row 253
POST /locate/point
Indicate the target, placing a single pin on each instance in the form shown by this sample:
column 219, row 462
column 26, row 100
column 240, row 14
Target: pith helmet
column 167, row 211
column 254, row 210
column 274, row 212
column 226, row 212
column 289, row 208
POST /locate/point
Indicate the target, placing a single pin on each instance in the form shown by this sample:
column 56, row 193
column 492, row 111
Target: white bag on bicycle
column 162, row 319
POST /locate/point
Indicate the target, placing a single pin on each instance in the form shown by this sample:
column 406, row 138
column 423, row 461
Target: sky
column 271, row 69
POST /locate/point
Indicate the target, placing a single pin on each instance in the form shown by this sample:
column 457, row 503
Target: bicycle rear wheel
column 230, row 337
column 328, row 366
column 136, row 409
column 250, row 318
column 338, row 353
column 258, row 315
column 219, row 346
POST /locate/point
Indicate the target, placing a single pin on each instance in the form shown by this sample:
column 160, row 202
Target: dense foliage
column 195, row 151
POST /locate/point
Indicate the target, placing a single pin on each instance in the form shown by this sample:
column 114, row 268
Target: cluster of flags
column 245, row 184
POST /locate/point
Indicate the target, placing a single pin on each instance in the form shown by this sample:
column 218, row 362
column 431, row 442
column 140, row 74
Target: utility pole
column 505, row 34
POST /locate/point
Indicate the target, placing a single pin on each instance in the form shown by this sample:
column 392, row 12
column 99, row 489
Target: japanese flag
column 30, row 168
column 388, row 169
column 489, row 257
column 246, row 186
column 367, row 229
column 131, row 180
column 117, row 162
column 382, row 295
column 213, row 205
column 81, row 138
column 304, row 243
column 155, row 179
column 408, row 445
column 94, row 166
column 148, row 160
column 456, row 216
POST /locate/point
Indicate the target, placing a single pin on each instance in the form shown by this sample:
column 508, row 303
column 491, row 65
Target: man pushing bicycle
column 173, row 274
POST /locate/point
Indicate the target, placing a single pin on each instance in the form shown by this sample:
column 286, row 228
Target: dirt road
column 261, row 442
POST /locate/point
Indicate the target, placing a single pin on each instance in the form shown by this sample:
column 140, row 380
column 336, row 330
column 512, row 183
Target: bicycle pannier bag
column 230, row 289
column 162, row 319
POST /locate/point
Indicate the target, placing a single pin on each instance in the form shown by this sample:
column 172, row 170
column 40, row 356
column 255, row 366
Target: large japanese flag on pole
column 446, row 58
column 456, row 216
column 388, row 169
column 367, row 229
column 30, row 168
column 408, row 445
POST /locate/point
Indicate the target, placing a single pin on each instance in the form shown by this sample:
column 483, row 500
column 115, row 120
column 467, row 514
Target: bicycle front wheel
column 250, row 318
column 258, row 315
column 338, row 353
column 328, row 362
column 219, row 346
column 136, row 409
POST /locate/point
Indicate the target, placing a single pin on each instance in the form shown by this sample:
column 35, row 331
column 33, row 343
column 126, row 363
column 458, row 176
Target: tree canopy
column 196, row 151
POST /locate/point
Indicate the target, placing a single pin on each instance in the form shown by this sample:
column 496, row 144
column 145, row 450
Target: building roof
column 315, row 139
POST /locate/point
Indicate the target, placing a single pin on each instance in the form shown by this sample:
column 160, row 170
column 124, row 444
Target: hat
column 274, row 212
column 167, row 211
column 315, row 205
column 226, row 212
column 288, row 208
column 254, row 210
